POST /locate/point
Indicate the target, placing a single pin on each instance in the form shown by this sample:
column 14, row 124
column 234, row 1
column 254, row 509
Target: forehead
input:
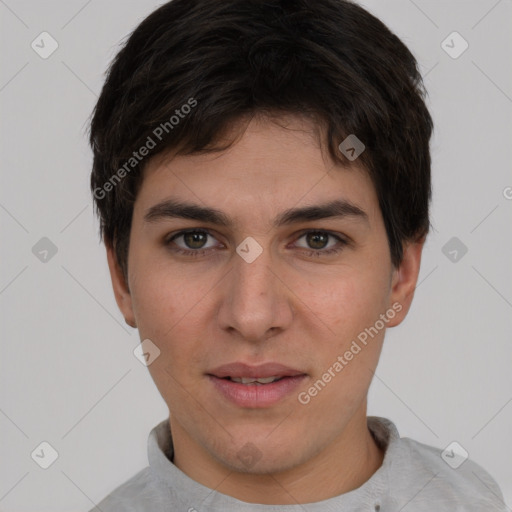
column 271, row 167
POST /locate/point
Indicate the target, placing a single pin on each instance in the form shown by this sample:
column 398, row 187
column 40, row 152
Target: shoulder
column 135, row 495
column 450, row 481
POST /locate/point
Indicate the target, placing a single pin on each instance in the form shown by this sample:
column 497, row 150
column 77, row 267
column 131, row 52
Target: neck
column 344, row 465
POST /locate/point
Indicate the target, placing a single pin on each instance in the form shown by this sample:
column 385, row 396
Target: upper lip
column 262, row 370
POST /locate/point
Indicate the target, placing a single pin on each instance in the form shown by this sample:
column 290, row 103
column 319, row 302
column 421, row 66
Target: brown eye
column 317, row 242
column 195, row 239
column 193, row 242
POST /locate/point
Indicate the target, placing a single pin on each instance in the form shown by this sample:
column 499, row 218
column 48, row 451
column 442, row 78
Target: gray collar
column 372, row 495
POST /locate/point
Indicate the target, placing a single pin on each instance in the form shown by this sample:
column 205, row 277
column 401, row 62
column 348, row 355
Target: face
column 262, row 294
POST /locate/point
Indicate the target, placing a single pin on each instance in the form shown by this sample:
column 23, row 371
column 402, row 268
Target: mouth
column 255, row 386
column 260, row 381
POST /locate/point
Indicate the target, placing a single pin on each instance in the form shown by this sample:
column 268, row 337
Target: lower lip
column 254, row 395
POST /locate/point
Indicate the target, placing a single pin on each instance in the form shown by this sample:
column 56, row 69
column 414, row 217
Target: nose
column 255, row 300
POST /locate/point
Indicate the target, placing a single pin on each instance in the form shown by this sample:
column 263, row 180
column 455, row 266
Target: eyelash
column 201, row 252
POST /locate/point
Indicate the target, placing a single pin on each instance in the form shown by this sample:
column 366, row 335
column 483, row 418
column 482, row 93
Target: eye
column 194, row 242
column 318, row 240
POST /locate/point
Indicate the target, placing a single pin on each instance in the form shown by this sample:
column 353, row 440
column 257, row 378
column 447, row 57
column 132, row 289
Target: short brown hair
column 329, row 59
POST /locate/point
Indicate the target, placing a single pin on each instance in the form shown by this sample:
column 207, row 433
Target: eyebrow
column 171, row 208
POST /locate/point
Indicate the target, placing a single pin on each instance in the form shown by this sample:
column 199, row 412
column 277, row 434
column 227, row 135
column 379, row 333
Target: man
column 262, row 177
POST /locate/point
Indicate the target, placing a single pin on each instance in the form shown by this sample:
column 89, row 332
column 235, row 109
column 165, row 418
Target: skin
column 286, row 306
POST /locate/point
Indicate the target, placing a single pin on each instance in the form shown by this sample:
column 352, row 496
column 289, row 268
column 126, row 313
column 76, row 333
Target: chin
column 258, row 456
column 267, row 464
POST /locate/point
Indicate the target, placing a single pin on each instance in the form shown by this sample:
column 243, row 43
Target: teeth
column 250, row 380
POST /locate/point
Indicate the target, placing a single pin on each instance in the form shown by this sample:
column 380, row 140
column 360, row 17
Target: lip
column 262, row 370
column 253, row 395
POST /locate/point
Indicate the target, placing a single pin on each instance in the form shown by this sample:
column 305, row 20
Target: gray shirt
column 412, row 477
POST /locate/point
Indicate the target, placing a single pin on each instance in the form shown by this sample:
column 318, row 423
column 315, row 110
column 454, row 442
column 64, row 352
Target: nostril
column 377, row 507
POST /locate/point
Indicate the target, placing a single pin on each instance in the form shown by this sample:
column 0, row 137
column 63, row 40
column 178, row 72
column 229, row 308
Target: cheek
column 349, row 299
column 166, row 309
column 169, row 307
column 165, row 298
column 349, row 305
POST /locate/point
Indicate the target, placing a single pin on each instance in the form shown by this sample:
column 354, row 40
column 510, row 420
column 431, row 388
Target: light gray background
column 69, row 376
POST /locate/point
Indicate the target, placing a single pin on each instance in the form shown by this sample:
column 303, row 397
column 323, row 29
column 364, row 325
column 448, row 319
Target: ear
column 404, row 279
column 121, row 290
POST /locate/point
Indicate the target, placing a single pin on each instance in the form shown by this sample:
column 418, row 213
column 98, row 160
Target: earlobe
column 404, row 280
column 120, row 287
